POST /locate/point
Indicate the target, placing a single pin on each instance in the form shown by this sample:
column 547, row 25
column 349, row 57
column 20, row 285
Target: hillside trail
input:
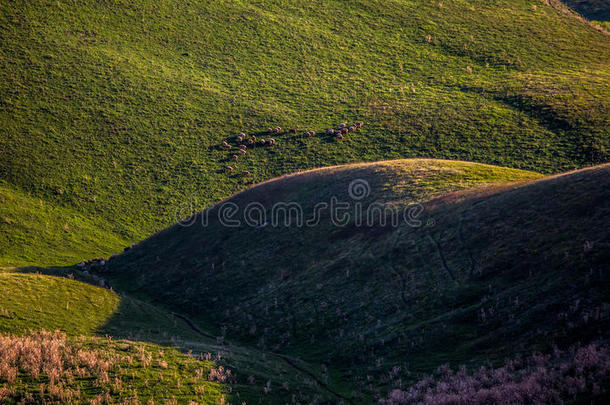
column 285, row 358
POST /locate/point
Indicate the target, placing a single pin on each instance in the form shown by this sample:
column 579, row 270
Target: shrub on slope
column 33, row 302
column 578, row 375
column 48, row 367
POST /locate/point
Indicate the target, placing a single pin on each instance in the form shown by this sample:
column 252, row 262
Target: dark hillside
column 598, row 10
column 489, row 272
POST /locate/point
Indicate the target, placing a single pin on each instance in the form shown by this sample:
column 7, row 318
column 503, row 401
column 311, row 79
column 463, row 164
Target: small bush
column 536, row 380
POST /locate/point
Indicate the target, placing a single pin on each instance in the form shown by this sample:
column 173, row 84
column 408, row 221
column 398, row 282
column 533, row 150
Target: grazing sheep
column 226, row 145
column 342, row 125
column 243, row 152
column 242, row 134
column 229, row 169
column 359, row 124
column 344, row 131
column 250, row 141
column 330, row 131
column 263, row 142
column 352, row 128
column 270, row 130
column 246, row 173
column 271, row 142
column 340, row 137
column 240, row 139
column 243, row 147
column 277, row 130
column 235, row 157
column 254, row 137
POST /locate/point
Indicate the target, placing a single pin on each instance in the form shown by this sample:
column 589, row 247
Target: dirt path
column 286, row 359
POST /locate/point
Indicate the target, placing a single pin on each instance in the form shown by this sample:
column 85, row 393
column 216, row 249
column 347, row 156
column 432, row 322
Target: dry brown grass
column 48, row 367
column 49, row 358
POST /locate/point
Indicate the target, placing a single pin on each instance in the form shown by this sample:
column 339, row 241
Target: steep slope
column 118, row 109
column 364, row 299
column 476, row 276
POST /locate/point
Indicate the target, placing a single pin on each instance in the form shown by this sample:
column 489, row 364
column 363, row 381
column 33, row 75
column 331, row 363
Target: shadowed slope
column 487, row 273
column 34, row 302
column 592, row 9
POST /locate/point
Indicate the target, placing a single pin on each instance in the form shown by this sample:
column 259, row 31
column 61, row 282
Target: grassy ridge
column 34, row 301
column 116, row 109
column 488, row 273
column 43, row 302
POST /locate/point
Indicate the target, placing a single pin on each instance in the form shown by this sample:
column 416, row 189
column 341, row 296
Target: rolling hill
column 142, row 342
column 116, row 110
column 497, row 262
column 424, row 256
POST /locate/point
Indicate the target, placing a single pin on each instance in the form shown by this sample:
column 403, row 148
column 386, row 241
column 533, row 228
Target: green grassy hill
column 91, row 368
column 113, row 115
column 36, row 232
column 510, row 265
column 116, row 110
column 147, row 343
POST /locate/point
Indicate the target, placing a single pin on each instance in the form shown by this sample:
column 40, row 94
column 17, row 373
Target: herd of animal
column 243, row 141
